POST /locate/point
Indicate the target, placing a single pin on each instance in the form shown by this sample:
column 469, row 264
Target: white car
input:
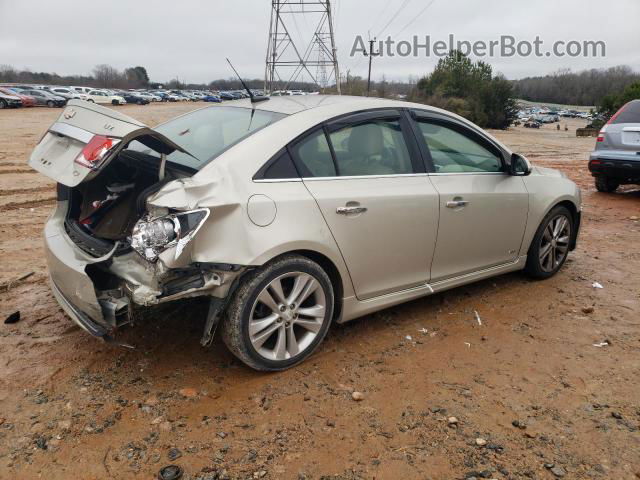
column 68, row 93
column 98, row 96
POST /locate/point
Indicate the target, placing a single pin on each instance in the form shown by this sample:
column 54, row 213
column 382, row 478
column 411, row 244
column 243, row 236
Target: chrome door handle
column 457, row 203
column 350, row 210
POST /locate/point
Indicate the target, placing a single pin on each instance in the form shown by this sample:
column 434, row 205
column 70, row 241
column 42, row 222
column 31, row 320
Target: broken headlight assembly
column 152, row 236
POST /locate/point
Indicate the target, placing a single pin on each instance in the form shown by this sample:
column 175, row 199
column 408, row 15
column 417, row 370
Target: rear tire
column 606, row 184
column 550, row 245
column 3, row 104
column 279, row 314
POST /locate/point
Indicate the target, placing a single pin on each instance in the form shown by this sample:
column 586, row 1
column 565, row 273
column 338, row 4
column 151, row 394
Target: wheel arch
column 332, row 271
column 575, row 214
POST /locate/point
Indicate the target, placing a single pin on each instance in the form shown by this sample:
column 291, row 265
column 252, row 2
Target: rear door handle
column 457, row 203
column 350, row 210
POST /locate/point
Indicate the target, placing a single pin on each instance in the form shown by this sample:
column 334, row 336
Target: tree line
column 565, row 87
column 104, row 76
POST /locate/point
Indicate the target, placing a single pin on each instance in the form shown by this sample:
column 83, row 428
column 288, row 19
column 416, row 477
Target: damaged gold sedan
column 288, row 214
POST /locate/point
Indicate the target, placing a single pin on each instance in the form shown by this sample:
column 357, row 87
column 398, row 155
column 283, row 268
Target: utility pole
column 371, row 55
column 286, row 61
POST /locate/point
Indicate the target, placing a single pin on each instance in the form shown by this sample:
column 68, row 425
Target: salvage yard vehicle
column 10, row 100
column 289, row 214
column 66, row 93
column 135, row 97
column 25, row 100
column 616, row 158
column 98, row 96
column 45, row 98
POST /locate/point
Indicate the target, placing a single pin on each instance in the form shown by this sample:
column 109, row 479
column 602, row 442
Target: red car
column 27, row 101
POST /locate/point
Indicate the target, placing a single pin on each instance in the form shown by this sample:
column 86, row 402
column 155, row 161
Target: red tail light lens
column 94, row 152
column 600, row 137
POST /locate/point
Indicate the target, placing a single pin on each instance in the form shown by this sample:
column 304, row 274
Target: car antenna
column 253, row 98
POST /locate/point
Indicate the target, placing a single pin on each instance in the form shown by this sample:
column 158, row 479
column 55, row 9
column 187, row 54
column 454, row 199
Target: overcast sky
column 191, row 38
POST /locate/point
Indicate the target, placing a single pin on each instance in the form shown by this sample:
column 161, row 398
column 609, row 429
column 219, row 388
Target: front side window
column 454, row 152
column 373, row 148
column 208, row 132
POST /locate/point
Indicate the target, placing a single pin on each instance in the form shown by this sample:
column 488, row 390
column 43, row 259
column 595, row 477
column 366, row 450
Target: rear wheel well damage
column 218, row 306
column 334, row 275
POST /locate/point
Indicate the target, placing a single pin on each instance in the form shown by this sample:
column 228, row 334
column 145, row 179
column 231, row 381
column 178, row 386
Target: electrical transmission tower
column 286, row 62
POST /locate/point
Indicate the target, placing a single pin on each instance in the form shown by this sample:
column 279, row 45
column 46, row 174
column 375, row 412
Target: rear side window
column 373, row 148
column 630, row 113
column 453, row 152
column 281, row 167
column 314, row 156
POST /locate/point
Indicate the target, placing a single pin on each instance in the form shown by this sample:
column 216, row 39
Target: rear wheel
column 606, row 184
column 3, row 104
column 550, row 245
column 279, row 314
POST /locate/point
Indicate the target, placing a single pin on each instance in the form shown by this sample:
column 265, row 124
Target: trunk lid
column 86, row 137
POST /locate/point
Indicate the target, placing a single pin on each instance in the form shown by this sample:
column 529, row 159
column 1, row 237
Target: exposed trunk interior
column 103, row 211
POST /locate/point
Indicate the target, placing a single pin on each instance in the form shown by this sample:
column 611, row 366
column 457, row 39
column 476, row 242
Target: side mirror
column 519, row 165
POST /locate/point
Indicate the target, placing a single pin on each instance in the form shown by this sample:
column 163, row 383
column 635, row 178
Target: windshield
column 208, row 132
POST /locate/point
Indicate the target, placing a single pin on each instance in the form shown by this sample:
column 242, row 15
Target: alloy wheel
column 287, row 316
column 554, row 244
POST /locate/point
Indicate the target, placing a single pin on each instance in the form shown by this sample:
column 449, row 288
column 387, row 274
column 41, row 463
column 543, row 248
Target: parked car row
column 14, row 96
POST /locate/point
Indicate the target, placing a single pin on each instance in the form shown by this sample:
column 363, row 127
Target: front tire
column 279, row 314
column 550, row 246
column 606, row 184
column 3, row 104
column 50, row 104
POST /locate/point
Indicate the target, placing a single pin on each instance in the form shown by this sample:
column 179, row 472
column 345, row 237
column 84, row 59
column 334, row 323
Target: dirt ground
column 533, row 397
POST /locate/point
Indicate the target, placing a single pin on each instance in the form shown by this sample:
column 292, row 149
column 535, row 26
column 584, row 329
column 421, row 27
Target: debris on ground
column 478, row 319
column 604, row 343
column 12, row 283
column 596, row 285
column 170, row 472
column 13, row 318
column 357, row 396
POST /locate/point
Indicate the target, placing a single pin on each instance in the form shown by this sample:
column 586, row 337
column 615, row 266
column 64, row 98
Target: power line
column 395, row 15
column 415, row 18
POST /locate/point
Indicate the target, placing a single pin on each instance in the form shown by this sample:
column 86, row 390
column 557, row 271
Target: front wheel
column 279, row 314
column 3, row 104
column 51, row 104
column 550, row 246
column 606, row 184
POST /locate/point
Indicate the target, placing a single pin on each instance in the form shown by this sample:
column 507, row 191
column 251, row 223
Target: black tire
column 3, row 104
column 534, row 266
column 140, row 102
column 235, row 325
column 51, row 104
column 606, row 184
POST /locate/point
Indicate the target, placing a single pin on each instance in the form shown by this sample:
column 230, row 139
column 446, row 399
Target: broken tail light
column 95, row 151
column 150, row 237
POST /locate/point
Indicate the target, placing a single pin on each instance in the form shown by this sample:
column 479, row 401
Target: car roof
column 295, row 104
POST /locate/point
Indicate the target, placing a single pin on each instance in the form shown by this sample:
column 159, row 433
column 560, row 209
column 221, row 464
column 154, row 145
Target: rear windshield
column 630, row 113
column 208, row 132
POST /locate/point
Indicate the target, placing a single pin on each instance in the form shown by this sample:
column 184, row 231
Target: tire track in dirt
column 30, row 204
column 15, row 170
column 18, row 191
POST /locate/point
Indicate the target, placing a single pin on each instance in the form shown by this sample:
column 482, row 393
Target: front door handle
column 350, row 210
column 457, row 203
